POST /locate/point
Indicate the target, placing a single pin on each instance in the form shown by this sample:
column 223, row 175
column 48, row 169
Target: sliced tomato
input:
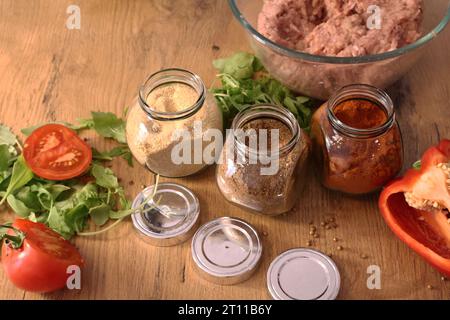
column 416, row 207
column 41, row 263
column 56, row 152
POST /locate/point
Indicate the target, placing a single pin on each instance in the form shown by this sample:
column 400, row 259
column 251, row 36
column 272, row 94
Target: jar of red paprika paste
column 357, row 141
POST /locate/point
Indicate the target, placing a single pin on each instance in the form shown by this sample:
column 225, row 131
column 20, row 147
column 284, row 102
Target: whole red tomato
column 40, row 263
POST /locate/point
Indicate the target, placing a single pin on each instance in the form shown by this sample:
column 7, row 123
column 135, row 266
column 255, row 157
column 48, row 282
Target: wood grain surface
column 49, row 73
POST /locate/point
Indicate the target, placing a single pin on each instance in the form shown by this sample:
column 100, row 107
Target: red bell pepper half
column 416, row 207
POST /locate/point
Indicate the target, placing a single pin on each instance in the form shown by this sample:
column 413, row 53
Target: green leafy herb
column 108, row 125
column 417, row 165
column 28, row 131
column 120, row 214
column 57, row 221
column 76, row 217
column 6, row 136
column 15, row 241
column 240, row 66
column 65, row 206
column 83, row 124
column 246, row 83
column 147, row 204
column 5, row 157
column 21, row 175
column 29, row 199
column 5, row 178
column 120, row 151
column 100, row 214
column 18, row 206
column 104, row 177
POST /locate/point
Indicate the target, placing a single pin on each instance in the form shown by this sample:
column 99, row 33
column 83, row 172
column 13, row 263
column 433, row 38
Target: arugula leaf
column 5, row 157
column 123, row 201
column 32, row 217
column 5, row 178
column 83, row 124
column 128, row 157
column 14, row 240
column 115, row 215
column 47, row 194
column 21, row 175
column 76, row 218
column 65, row 206
column 108, row 125
column 242, row 65
column 120, row 151
column 245, row 83
column 18, row 206
column 87, row 192
column 68, row 222
column 56, row 190
column 28, row 131
column 6, row 136
column 29, row 198
column 100, row 214
column 56, row 221
column 417, row 165
column 104, row 177
column 42, row 218
column 44, row 196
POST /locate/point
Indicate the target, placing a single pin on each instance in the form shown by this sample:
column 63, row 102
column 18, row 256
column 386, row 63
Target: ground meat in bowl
column 339, row 27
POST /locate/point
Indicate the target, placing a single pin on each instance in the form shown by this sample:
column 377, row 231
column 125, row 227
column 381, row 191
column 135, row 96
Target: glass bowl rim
column 337, row 60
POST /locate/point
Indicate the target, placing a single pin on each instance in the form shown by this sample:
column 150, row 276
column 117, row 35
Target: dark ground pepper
column 271, row 194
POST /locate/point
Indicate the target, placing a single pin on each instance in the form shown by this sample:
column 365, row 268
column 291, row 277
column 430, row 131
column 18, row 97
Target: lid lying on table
column 169, row 218
column 226, row 250
column 303, row 274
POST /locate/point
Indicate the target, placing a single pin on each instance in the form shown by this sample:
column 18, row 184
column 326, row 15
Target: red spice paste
column 356, row 165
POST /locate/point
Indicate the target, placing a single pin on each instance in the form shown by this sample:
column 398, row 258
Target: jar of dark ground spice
column 357, row 142
column 263, row 164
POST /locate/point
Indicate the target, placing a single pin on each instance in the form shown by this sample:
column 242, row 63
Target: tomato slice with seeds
column 56, row 152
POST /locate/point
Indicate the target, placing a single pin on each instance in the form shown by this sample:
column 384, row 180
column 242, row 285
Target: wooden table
column 49, row 73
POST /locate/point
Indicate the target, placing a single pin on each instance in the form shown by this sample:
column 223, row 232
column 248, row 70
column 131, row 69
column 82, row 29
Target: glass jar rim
column 361, row 91
column 166, row 76
column 259, row 111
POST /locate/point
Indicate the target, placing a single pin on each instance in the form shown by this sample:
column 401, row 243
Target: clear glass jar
column 264, row 180
column 173, row 106
column 357, row 142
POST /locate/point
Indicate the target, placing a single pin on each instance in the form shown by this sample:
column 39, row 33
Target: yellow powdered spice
column 172, row 97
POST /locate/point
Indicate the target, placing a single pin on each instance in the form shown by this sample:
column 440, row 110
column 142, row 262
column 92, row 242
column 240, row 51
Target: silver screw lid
column 169, row 218
column 303, row 274
column 226, row 250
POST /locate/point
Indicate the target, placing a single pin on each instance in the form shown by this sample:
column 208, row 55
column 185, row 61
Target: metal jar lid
column 169, row 218
column 303, row 274
column 226, row 250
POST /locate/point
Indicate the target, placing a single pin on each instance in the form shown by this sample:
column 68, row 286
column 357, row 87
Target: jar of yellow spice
column 172, row 107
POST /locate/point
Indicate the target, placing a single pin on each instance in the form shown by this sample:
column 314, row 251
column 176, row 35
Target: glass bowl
column 320, row 76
